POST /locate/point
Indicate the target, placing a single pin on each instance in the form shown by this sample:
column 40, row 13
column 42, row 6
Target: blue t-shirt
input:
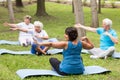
column 105, row 41
column 72, row 62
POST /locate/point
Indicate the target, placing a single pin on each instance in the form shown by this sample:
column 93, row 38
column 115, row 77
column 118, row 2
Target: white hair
column 108, row 22
column 38, row 24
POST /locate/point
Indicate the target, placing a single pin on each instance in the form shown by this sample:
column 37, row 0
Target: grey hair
column 38, row 24
column 108, row 22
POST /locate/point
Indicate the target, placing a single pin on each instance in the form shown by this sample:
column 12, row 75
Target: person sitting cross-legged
column 108, row 38
column 24, row 38
column 72, row 61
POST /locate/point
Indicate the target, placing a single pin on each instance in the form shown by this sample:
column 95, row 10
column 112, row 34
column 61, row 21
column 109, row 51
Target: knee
column 51, row 60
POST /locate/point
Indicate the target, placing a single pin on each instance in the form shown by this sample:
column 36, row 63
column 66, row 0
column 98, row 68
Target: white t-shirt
column 43, row 33
column 23, row 25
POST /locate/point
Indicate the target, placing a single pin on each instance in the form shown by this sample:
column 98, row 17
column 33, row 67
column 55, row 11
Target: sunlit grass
column 60, row 17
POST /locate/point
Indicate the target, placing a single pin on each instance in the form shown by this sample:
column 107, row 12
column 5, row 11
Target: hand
column 6, row 24
column 106, row 33
column 35, row 40
column 78, row 25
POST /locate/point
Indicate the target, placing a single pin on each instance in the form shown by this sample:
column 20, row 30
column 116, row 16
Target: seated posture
column 24, row 38
column 72, row 60
column 38, row 34
column 108, row 38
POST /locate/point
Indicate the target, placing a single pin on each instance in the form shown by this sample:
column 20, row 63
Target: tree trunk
column 41, row 8
column 99, row 6
column 79, row 16
column 19, row 3
column 95, row 22
column 10, row 10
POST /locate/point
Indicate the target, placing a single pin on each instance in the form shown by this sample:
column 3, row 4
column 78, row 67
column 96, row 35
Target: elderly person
column 38, row 34
column 24, row 38
column 108, row 38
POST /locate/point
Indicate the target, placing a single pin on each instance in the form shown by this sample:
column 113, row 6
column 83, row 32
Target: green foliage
column 60, row 17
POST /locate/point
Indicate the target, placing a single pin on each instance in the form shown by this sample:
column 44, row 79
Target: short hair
column 72, row 33
column 28, row 17
column 38, row 24
column 108, row 22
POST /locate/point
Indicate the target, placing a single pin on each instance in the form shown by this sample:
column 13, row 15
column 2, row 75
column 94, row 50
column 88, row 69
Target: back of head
column 72, row 33
column 108, row 22
column 38, row 24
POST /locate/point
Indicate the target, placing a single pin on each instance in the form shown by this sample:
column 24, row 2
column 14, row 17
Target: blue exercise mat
column 23, row 73
column 116, row 55
column 17, row 42
column 9, row 42
column 50, row 51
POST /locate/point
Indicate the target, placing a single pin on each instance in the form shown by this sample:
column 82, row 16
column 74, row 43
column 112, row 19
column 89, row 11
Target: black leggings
column 55, row 64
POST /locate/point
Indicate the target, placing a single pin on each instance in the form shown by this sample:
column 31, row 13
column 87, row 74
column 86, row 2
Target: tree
column 95, row 21
column 19, row 3
column 79, row 16
column 41, row 11
column 10, row 10
column 99, row 6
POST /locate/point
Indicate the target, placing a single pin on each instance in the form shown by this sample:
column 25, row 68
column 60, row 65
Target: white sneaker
column 94, row 57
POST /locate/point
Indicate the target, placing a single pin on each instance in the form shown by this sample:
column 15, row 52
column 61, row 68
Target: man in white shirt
column 25, row 39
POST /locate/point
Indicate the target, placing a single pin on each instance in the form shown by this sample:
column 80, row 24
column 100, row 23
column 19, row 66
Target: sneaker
column 24, row 45
column 94, row 57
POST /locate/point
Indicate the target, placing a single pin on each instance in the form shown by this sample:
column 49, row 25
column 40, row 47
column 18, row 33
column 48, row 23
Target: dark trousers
column 55, row 64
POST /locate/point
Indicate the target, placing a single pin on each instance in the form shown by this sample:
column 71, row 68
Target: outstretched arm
column 86, row 43
column 85, row 27
column 60, row 45
column 9, row 24
column 20, row 29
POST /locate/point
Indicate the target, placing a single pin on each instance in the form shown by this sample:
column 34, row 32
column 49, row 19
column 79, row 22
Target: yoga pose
column 72, row 61
column 108, row 38
column 38, row 34
column 25, row 39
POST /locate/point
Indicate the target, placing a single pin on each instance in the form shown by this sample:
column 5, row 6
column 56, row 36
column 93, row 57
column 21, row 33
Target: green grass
column 61, row 17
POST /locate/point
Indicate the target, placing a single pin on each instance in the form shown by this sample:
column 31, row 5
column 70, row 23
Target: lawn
column 61, row 16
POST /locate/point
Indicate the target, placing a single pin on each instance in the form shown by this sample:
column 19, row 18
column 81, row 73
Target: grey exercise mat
column 23, row 73
column 50, row 51
column 17, row 42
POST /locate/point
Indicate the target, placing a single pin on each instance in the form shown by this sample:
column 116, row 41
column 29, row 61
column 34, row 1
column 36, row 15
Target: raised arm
column 85, row 27
column 86, row 43
column 19, row 29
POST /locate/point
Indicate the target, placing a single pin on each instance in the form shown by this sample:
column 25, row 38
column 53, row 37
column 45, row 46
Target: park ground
column 61, row 17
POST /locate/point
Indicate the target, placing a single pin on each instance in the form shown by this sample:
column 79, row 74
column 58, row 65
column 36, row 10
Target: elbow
column 116, row 41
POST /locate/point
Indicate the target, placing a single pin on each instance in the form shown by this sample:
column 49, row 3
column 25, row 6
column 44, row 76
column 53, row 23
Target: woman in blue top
column 72, row 61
